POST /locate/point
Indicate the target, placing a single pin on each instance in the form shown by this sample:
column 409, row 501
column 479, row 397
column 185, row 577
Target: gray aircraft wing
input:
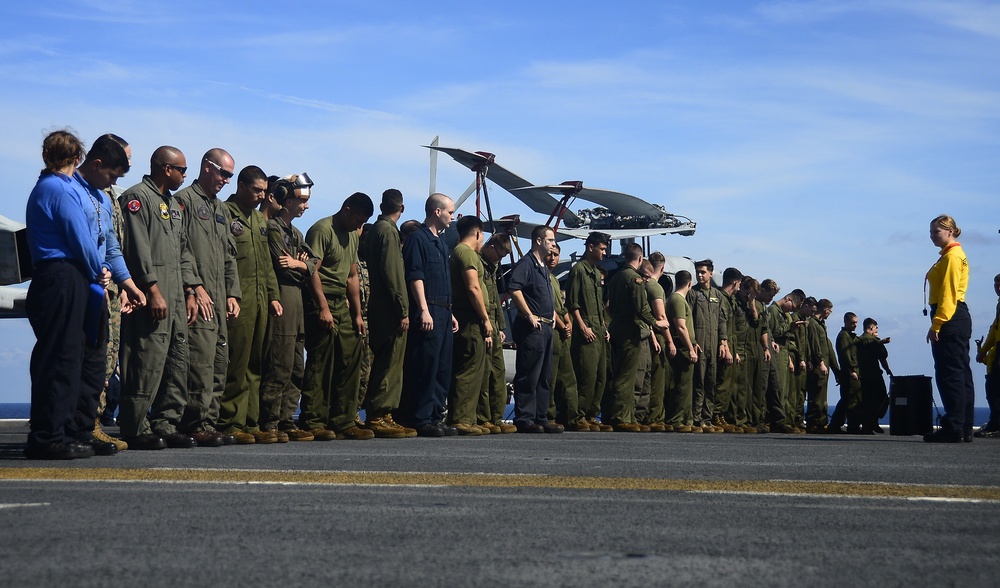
column 617, row 234
column 617, row 202
column 524, row 229
column 538, row 200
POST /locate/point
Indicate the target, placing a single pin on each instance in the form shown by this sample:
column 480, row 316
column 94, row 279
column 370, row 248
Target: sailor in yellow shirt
column 987, row 354
column 950, row 332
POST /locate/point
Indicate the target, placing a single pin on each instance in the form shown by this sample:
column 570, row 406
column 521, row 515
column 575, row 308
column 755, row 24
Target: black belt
column 541, row 319
column 442, row 302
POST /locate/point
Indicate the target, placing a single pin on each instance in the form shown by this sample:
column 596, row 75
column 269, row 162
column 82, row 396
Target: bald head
column 164, row 155
column 218, row 155
column 216, row 170
column 168, row 167
column 440, row 211
column 435, row 201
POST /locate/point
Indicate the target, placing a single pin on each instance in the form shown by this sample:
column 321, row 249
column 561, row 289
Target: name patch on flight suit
column 175, row 214
column 220, row 219
column 164, row 211
column 263, row 231
column 237, row 228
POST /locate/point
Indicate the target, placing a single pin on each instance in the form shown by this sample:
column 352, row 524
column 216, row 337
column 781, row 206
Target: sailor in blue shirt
column 75, row 255
column 531, row 291
column 432, row 326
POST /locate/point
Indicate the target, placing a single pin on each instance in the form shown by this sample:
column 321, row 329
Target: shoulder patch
column 134, row 205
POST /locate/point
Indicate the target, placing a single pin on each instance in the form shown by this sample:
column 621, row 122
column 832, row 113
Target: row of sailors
column 231, row 319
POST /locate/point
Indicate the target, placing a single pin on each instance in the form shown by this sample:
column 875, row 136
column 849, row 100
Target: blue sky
column 811, row 141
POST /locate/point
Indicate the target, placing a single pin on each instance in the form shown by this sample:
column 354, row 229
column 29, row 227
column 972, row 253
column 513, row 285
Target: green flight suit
column 659, row 367
column 333, row 360
column 493, row 398
column 564, row 401
column 643, row 385
column 154, row 353
column 585, row 293
column 755, row 368
column 387, row 307
column 848, row 409
column 213, row 251
column 680, row 389
column 775, row 377
column 469, row 349
column 709, row 328
column 726, row 375
column 779, row 325
column 239, row 406
column 741, row 390
column 821, row 348
column 284, row 344
column 629, row 315
column 798, row 351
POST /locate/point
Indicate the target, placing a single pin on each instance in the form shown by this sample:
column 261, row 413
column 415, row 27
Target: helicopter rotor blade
column 434, row 167
column 465, row 195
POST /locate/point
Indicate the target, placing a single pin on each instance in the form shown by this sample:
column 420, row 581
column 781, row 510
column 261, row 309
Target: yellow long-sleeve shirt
column 948, row 280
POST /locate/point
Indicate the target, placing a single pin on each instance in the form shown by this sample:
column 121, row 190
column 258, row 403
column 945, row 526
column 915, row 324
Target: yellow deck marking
column 484, row 480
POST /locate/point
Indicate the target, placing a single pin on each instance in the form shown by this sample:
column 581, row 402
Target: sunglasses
column 181, row 168
column 225, row 174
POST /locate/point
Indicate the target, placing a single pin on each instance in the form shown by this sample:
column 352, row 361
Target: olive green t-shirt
column 678, row 308
column 337, row 251
column 464, row 258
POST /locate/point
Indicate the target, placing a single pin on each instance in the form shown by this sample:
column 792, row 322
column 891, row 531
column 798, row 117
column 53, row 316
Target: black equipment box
column 910, row 405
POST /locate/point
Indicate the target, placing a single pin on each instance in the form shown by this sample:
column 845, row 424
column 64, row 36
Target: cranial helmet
column 284, row 188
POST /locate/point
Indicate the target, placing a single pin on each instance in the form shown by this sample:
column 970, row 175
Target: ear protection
column 284, row 188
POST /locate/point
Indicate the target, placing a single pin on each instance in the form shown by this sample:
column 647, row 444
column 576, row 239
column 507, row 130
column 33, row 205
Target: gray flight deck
column 577, row 509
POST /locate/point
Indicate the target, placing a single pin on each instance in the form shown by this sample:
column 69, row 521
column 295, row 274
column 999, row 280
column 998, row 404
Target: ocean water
column 18, row 410
column 21, row 410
